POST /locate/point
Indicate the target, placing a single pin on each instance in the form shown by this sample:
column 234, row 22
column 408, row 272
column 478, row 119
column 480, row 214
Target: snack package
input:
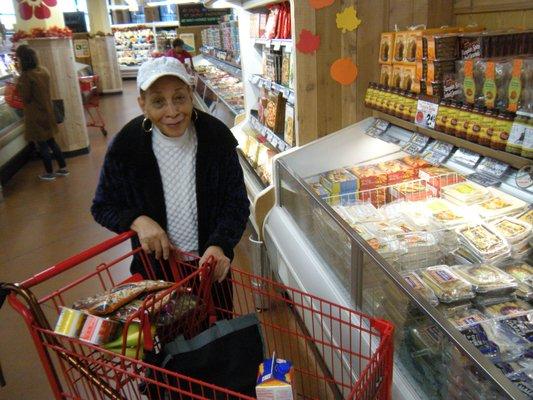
column 507, row 309
column 408, row 76
column 441, row 46
column 396, row 171
column 485, row 243
column 359, row 212
column 411, row 191
column 447, row 285
column 396, row 78
column 400, row 50
column 527, row 216
column 369, row 177
column 275, row 113
column 523, row 273
column 288, row 135
column 439, row 177
column 418, row 286
column 416, row 162
column 521, row 326
column 113, row 299
column 386, row 48
column 498, row 204
column 512, row 229
column 465, row 193
column 385, row 76
column 486, row 278
column 341, row 184
column 445, row 214
column 464, row 315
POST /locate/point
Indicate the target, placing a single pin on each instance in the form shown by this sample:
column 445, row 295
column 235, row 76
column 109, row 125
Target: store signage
column 81, row 48
column 466, row 157
column 524, row 177
column 426, row 113
column 197, row 14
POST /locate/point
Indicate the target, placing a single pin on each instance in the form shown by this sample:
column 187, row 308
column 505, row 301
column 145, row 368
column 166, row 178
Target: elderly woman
column 172, row 175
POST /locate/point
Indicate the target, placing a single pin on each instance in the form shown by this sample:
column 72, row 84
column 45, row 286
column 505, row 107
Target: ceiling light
column 170, row 2
column 222, row 3
column 118, row 7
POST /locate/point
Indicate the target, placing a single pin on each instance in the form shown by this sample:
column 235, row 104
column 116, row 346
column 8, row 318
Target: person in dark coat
column 173, row 175
column 33, row 86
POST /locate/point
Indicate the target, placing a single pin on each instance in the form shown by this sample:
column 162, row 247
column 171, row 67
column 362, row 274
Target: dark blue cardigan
column 130, row 185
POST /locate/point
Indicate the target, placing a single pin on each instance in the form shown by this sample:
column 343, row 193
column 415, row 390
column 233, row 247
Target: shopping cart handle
column 3, row 295
column 76, row 260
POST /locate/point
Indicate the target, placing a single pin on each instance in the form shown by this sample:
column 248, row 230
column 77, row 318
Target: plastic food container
column 486, row 278
column 463, row 316
column 465, row 193
column 527, row 216
column 447, row 285
column 483, row 242
column 512, row 229
column 445, row 214
column 507, row 309
column 523, row 273
column 498, row 204
column 418, row 286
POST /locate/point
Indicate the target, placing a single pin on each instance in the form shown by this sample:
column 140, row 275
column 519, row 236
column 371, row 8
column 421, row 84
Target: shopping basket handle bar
column 63, row 266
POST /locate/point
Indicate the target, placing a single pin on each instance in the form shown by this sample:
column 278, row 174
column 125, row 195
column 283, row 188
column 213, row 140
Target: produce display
column 224, row 85
column 134, row 45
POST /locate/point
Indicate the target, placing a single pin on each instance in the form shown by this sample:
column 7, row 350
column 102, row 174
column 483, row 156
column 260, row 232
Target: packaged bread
column 418, row 286
column 512, row 229
column 507, row 309
column 486, row 278
column 465, row 193
column 498, row 204
column 447, row 285
column 483, row 241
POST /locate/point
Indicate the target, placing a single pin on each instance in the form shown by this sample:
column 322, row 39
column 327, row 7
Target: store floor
column 42, row 223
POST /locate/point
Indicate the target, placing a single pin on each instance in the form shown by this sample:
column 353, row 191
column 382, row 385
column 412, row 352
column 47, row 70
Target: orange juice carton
column 275, row 380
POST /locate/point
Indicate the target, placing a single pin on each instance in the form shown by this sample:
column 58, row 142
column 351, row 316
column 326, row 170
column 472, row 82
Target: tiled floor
column 42, row 223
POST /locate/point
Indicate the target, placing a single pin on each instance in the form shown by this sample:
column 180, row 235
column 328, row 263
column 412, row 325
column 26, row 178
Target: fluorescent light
column 170, row 2
column 118, row 7
column 222, row 3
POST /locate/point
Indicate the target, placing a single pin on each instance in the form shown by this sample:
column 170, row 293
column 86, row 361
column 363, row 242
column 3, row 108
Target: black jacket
column 130, row 184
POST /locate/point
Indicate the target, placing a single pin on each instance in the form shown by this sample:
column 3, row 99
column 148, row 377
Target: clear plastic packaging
column 507, row 309
column 486, row 278
column 527, row 216
column 445, row 214
column 465, row 193
column 447, row 285
column 521, row 325
column 512, row 229
column 464, row 315
column 421, row 288
column 523, row 273
column 483, row 242
column 359, row 213
column 499, row 204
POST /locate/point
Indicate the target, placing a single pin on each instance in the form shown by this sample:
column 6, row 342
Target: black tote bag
column 59, row 110
column 226, row 355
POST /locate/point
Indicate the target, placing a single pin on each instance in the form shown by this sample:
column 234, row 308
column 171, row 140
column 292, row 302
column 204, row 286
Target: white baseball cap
column 155, row 68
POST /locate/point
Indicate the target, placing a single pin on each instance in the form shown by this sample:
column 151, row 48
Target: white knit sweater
column 176, row 158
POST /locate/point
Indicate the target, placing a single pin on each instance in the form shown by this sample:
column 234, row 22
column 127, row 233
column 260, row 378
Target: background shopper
column 178, row 51
column 39, row 118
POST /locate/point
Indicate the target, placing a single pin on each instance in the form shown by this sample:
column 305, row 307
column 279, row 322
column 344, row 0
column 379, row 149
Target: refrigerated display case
column 313, row 248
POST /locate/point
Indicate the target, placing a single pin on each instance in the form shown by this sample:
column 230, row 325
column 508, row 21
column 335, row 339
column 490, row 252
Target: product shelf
column 227, row 66
column 273, row 42
column 267, row 133
column 261, row 81
column 508, row 158
column 220, row 96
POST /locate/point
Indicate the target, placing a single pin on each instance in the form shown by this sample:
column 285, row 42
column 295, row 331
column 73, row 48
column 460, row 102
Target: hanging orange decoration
column 344, row 71
column 318, row 4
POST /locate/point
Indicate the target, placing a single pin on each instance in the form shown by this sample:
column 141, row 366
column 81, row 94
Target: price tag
column 288, row 47
column 426, row 113
column 267, row 84
column 412, row 149
column 441, row 147
column 268, row 43
column 286, row 92
column 466, row 157
column 277, row 45
column 419, row 140
column 372, row 131
column 274, row 140
column 381, row 125
column 484, row 180
column 492, row 167
column 433, row 157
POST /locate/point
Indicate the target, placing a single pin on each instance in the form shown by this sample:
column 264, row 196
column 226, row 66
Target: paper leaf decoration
column 318, row 4
column 344, row 71
column 308, row 43
column 347, row 20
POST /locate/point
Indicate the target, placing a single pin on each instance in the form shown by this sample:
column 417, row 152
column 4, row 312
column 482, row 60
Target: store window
column 169, row 12
column 75, row 5
column 7, row 14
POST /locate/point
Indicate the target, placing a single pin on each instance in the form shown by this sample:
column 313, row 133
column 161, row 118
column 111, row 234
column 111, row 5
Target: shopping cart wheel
column 104, row 132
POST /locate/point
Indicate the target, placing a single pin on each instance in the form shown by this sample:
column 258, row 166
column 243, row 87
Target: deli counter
column 377, row 248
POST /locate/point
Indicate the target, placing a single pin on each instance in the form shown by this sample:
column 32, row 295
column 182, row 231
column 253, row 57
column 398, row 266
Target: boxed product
column 440, row 46
column 289, row 136
column 447, row 285
column 464, row 315
column 408, row 77
column 416, row 162
column 486, row 278
column 411, row 191
column 386, row 48
column 512, row 229
column 465, row 193
column 523, row 273
column 498, row 204
column 495, row 44
column 418, row 286
column 369, row 176
column 275, row 113
column 252, row 152
column 483, row 242
column 286, row 68
column 397, row 171
column 275, row 380
column 400, row 50
column 320, row 190
column 385, row 75
column 397, row 75
column 439, row 177
column 340, row 182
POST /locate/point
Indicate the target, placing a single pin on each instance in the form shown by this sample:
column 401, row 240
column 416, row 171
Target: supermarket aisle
column 42, row 223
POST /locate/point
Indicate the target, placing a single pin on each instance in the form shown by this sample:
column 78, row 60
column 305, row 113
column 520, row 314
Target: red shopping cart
column 336, row 352
column 91, row 102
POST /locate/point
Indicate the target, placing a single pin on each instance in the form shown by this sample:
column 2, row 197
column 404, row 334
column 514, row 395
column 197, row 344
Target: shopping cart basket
column 91, row 102
column 336, row 352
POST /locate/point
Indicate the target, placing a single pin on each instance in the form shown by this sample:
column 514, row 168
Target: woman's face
column 168, row 104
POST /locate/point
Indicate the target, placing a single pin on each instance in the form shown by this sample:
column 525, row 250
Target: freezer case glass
column 433, row 360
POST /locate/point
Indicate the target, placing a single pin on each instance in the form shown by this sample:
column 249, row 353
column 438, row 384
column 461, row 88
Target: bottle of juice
column 472, row 133
column 501, row 134
column 518, row 133
column 488, row 125
column 442, row 116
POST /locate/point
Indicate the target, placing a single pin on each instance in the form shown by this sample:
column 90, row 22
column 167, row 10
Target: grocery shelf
column 227, row 66
column 261, row 81
column 273, row 42
column 253, row 181
column 508, row 158
column 219, row 95
column 267, row 133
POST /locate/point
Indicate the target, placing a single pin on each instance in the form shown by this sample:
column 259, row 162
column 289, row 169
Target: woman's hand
column 152, row 237
column 220, row 261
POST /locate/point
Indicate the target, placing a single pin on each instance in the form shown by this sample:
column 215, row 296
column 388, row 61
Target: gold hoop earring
column 195, row 114
column 143, row 125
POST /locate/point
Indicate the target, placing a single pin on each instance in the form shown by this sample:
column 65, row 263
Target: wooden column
column 57, row 55
column 105, row 64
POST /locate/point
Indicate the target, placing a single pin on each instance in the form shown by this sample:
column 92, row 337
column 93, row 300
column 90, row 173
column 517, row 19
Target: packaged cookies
column 512, row 229
column 447, row 285
column 386, row 48
column 418, row 286
column 483, row 242
column 486, row 278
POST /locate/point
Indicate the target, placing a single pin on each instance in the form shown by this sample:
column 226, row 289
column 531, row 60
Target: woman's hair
column 177, row 42
column 27, row 56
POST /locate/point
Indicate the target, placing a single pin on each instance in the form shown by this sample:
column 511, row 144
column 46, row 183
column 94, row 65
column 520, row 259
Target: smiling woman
column 173, row 176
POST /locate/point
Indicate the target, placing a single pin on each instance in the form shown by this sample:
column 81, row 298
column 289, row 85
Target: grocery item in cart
column 418, row 285
column 486, row 278
column 70, row 322
column 508, row 308
column 465, row 193
column 113, row 299
column 464, row 315
column 447, row 285
column 275, row 379
column 97, row 330
column 499, row 204
column 512, row 229
column 483, row 242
